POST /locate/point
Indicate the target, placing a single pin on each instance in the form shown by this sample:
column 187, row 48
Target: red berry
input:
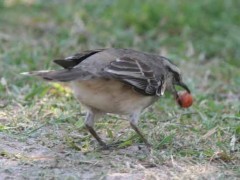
column 184, row 99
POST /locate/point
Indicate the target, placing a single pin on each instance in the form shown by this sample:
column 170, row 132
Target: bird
column 118, row 81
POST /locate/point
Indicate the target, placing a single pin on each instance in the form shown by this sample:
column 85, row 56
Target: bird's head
column 174, row 77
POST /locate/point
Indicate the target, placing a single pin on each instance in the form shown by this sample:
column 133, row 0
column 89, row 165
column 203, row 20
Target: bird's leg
column 89, row 122
column 133, row 122
column 140, row 134
column 95, row 135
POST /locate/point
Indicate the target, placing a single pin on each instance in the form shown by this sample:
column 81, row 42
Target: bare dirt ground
column 39, row 157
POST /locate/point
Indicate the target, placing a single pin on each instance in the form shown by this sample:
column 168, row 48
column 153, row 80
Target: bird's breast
column 110, row 96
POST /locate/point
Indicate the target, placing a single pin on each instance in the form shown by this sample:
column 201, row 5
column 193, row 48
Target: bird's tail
column 58, row 75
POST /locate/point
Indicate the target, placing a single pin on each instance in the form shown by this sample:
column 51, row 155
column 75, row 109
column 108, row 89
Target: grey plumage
column 146, row 73
column 121, row 81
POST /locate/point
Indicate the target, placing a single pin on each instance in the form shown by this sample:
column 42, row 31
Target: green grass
column 202, row 37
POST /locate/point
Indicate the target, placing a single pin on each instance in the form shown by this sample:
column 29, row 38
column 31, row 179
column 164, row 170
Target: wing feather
column 71, row 61
column 135, row 73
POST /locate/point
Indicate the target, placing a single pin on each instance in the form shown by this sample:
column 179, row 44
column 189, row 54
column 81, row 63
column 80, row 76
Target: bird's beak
column 184, row 86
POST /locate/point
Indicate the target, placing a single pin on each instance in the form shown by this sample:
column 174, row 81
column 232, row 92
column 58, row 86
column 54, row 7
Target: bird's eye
column 177, row 77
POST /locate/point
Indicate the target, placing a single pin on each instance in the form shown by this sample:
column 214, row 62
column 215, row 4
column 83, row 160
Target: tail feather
column 59, row 75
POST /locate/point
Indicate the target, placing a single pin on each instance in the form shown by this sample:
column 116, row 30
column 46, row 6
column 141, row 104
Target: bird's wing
column 72, row 61
column 136, row 74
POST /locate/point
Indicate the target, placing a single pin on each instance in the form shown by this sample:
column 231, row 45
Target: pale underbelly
column 110, row 96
